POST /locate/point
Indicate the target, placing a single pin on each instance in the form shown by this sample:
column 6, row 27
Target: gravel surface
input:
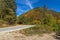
column 18, row 36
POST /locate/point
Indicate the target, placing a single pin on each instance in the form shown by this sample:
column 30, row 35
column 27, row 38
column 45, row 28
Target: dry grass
column 39, row 29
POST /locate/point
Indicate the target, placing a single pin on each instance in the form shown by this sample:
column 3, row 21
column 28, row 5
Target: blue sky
column 26, row 5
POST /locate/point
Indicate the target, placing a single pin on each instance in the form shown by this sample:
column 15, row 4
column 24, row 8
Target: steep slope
column 31, row 15
column 38, row 16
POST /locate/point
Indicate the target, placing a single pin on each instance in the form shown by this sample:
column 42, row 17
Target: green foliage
column 48, row 20
column 30, row 17
column 39, row 16
column 10, row 16
column 38, row 29
column 7, row 11
column 1, row 21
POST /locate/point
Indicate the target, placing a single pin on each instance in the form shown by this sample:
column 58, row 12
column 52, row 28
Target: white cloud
column 29, row 4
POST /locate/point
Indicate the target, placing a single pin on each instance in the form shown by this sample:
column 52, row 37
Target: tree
column 8, row 11
column 10, row 16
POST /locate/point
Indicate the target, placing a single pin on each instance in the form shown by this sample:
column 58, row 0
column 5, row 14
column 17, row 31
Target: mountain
column 39, row 16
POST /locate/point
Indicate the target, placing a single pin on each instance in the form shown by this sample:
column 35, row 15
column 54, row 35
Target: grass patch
column 38, row 29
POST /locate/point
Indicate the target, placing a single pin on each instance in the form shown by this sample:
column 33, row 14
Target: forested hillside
column 46, row 20
column 40, row 16
column 7, row 12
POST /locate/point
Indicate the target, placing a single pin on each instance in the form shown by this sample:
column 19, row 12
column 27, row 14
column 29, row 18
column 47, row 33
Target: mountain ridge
column 38, row 14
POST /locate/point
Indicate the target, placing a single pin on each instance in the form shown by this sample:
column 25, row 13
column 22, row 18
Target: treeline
column 41, row 16
column 7, row 12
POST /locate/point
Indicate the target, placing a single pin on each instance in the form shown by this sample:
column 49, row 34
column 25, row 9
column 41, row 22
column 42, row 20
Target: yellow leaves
column 58, row 21
column 36, row 22
column 26, row 15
